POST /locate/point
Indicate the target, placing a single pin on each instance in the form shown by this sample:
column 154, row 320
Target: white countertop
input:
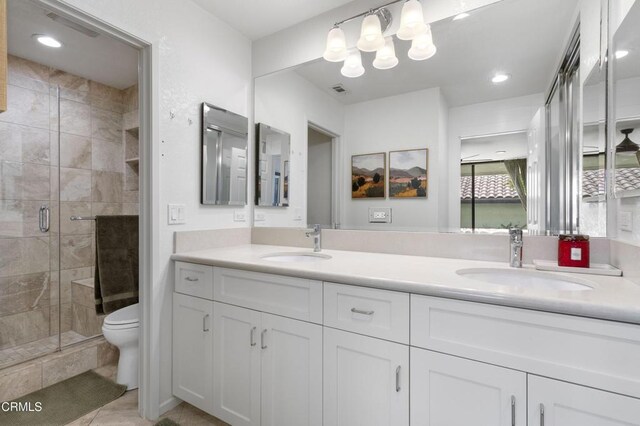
column 612, row 298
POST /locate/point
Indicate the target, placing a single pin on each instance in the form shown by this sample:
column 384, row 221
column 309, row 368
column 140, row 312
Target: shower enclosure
column 68, row 147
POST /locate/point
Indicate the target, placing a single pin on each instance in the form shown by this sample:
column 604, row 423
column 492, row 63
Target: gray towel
column 116, row 276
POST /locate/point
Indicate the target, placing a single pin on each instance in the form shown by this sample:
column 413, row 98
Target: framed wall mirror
column 273, row 165
column 479, row 103
column 223, row 157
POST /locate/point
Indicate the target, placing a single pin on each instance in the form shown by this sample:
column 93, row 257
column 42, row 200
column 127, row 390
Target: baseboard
column 169, row 404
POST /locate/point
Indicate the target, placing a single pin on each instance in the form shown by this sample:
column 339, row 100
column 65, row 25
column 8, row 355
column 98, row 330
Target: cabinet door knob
column 262, row 344
column 205, row 323
column 362, row 312
column 541, row 414
column 398, row 379
column 252, row 336
column 513, row 410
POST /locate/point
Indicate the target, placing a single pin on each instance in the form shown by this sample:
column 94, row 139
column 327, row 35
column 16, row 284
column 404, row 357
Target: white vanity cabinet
column 366, row 380
column 193, row 350
column 267, row 369
column 447, row 390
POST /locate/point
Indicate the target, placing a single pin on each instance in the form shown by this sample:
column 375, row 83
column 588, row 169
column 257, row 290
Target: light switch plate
column 176, row 214
column 379, row 215
column 626, row 222
column 297, row 214
column 239, row 216
column 258, row 217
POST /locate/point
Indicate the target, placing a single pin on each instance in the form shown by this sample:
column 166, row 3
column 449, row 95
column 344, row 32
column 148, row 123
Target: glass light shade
column 411, row 21
column 353, row 65
column 386, row 55
column 422, row 47
column 336, row 50
column 371, row 34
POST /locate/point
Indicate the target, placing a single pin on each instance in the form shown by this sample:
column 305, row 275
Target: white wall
column 288, row 102
column 409, row 121
column 200, row 58
column 507, row 115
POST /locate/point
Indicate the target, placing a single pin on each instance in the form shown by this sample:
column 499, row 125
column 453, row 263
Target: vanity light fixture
column 375, row 23
column 621, row 53
column 500, row 78
column 47, row 40
column 461, row 16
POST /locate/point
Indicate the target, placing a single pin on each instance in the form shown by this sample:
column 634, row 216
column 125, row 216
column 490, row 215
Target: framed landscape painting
column 368, row 175
column 408, row 173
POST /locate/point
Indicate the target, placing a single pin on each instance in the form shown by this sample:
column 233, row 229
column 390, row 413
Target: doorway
column 321, row 181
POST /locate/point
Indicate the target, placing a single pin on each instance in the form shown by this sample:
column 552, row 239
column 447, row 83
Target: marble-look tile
column 74, row 227
column 132, row 144
column 83, row 295
column 24, row 293
column 102, row 91
column 26, row 107
column 130, row 98
column 132, row 177
column 76, row 251
column 106, row 125
column 131, row 120
column 27, row 68
column 106, row 209
column 131, row 209
column 75, row 151
column 107, row 187
column 22, row 256
column 131, row 197
column 71, row 86
column 24, row 181
column 66, row 277
column 108, row 155
column 110, row 371
column 20, row 380
column 186, row 414
column 75, row 118
column 84, row 420
column 85, row 321
column 107, row 355
column 62, row 323
column 68, row 364
column 19, row 218
column 75, row 184
column 24, row 327
column 24, row 144
column 123, row 411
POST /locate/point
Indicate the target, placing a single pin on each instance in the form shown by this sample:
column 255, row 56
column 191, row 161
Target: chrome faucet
column 515, row 239
column 317, row 237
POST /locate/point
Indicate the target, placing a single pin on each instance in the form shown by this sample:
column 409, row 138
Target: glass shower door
column 30, row 296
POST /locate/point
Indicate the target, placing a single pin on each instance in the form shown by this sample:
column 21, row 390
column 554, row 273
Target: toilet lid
column 127, row 315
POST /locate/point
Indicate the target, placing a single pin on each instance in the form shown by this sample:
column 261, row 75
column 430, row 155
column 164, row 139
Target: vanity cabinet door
column 236, row 365
column 193, row 351
column 291, row 372
column 366, row 381
column 452, row 391
column 555, row 403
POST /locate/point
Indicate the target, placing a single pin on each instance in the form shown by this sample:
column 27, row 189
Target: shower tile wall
column 92, row 182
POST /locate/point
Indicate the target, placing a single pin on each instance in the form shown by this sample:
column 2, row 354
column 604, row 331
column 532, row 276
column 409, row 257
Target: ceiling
column 519, row 37
column 101, row 59
column 259, row 18
column 627, row 37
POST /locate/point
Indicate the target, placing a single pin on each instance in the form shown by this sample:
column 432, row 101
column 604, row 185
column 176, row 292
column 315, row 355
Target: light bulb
column 371, row 34
column 422, row 47
column 47, row 40
column 621, row 54
column 336, row 50
column 411, row 21
column 386, row 55
column 500, row 78
column 353, row 65
column 460, row 16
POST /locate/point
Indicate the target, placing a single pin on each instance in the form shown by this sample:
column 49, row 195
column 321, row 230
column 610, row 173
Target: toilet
column 121, row 329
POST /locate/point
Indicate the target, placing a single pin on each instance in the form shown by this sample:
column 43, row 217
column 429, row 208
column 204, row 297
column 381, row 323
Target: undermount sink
column 296, row 257
column 525, row 279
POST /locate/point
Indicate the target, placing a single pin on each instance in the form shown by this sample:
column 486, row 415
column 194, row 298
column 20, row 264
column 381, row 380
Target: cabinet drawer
column 287, row 296
column 377, row 313
column 591, row 352
column 194, row 280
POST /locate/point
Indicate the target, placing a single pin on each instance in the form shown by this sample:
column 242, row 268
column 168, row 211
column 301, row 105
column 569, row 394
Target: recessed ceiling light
column 621, row 54
column 47, row 40
column 461, row 16
column 500, row 78
column 501, row 152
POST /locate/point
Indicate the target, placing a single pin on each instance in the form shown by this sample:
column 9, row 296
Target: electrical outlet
column 297, row 214
column 239, row 216
column 379, row 215
column 626, row 222
column 176, row 214
column 259, row 217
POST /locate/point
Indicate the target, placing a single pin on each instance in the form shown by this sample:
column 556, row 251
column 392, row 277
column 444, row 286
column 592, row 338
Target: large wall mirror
column 224, row 157
column 272, row 166
column 482, row 107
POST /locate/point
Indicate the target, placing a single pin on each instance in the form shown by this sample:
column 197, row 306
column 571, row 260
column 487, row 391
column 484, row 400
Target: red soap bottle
column 573, row 251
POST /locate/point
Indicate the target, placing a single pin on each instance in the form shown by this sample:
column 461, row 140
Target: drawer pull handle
column 191, row 279
column 541, row 414
column 513, row 410
column 398, row 379
column 262, row 344
column 252, row 336
column 205, row 325
column 360, row 311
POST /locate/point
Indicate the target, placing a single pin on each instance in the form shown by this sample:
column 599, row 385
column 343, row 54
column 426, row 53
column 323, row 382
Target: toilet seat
column 127, row 317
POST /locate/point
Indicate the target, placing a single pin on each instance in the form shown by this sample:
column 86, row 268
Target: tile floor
column 35, row 349
column 124, row 411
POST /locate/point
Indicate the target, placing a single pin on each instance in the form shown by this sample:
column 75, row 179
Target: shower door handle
column 43, row 219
